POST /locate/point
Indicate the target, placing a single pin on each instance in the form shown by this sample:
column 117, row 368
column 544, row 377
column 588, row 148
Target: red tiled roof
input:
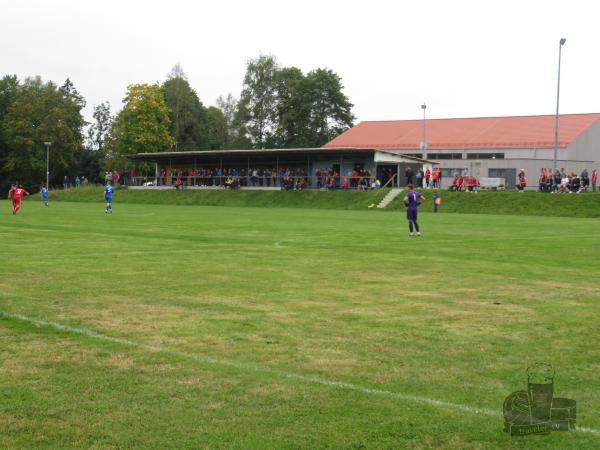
column 483, row 132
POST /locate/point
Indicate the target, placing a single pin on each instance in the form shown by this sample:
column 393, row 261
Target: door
column 385, row 172
column 403, row 178
column 510, row 175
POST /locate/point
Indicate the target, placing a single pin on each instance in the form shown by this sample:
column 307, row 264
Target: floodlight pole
column 48, row 144
column 560, row 44
column 424, row 143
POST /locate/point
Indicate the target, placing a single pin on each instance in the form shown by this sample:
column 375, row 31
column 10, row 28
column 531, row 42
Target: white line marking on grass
column 314, row 379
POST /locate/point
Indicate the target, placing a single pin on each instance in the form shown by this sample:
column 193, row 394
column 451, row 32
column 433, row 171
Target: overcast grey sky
column 464, row 58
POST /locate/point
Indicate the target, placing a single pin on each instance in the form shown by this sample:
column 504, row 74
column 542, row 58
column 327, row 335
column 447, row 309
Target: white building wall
column 587, row 146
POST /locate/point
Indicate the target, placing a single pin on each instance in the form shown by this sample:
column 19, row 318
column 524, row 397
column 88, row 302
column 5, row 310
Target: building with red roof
column 485, row 146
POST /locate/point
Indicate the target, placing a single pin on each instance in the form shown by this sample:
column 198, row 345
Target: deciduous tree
column 100, row 127
column 141, row 126
column 43, row 112
column 217, row 129
column 188, row 116
column 257, row 109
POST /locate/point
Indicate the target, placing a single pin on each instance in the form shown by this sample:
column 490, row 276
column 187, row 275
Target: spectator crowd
column 559, row 181
column 285, row 178
column 551, row 181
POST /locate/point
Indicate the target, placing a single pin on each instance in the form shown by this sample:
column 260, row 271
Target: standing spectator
column 427, row 177
column 116, row 178
column 409, row 175
column 419, row 178
column 108, row 177
column 65, row 182
column 594, row 179
column 77, row 181
column 436, row 178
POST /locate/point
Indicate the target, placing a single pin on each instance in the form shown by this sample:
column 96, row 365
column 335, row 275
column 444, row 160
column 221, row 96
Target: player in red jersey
column 17, row 195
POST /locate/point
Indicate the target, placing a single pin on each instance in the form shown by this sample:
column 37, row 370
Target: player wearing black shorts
column 412, row 200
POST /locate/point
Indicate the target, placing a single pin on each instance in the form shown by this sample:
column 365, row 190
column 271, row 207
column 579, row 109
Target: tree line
column 278, row 107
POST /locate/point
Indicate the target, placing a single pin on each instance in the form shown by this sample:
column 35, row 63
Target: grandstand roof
column 166, row 155
column 480, row 132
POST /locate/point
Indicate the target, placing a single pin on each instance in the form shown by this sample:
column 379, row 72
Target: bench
column 492, row 183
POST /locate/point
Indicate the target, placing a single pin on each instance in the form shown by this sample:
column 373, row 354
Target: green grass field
column 230, row 327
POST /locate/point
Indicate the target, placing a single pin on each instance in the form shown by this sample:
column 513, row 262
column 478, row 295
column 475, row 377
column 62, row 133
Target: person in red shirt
column 522, row 183
column 17, row 195
column 436, row 177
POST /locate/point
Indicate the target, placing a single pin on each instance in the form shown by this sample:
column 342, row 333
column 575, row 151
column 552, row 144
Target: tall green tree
column 282, row 107
column 141, row 126
column 9, row 86
column 229, row 106
column 43, row 112
column 217, row 129
column 100, row 128
column 293, row 109
column 331, row 111
column 98, row 135
column 188, row 116
column 257, row 108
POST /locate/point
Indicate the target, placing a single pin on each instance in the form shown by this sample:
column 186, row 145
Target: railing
column 391, row 180
column 293, row 182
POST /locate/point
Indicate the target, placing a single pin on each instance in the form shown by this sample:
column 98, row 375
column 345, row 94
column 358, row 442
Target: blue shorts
column 411, row 214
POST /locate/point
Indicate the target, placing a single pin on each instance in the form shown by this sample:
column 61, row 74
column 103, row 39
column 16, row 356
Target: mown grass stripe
column 202, row 359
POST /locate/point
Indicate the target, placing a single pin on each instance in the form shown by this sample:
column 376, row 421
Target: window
column 444, row 155
column 485, row 155
column 450, row 173
column 414, row 155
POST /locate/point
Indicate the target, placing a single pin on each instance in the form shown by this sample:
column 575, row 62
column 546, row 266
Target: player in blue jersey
column 44, row 192
column 108, row 193
column 412, row 200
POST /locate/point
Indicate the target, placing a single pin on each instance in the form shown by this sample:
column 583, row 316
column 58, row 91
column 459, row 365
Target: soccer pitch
column 222, row 327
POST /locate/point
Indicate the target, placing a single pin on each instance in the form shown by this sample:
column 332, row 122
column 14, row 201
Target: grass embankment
column 514, row 203
column 348, row 200
column 488, row 202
